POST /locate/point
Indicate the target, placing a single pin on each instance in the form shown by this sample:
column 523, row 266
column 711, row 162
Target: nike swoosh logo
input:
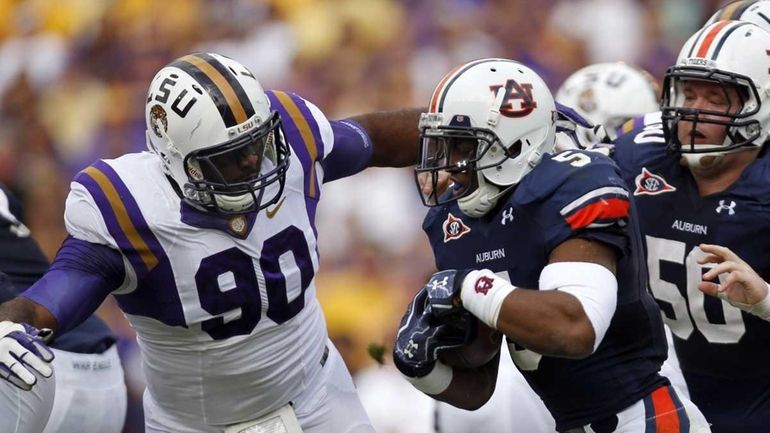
column 271, row 212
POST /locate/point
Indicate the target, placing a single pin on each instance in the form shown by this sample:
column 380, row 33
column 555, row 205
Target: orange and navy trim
column 221, row 84
column 123, row 217
column 709, row 42
column 439, row 94
column 601, row 207
column 302, row 134
column 664, row 412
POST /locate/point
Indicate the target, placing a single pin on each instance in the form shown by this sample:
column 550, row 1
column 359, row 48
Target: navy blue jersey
column 24, row 263
column 723, row 352
column 571, row 194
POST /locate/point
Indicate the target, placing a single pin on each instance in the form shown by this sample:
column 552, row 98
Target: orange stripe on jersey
column 666, row 416
column 706, row 44
column 121, row 214
column 305, row 132
column 603, row 209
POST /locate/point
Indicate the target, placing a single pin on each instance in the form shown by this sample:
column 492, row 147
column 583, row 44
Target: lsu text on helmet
column 209, row 121
column 489, row 122
column 731, row 56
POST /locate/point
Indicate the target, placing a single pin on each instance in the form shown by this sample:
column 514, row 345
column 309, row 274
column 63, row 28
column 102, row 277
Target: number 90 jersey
column 567, row 195
column 723, row 352
column 224, row 308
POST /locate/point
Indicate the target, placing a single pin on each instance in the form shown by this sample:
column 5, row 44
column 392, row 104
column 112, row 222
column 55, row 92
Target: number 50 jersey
column 224, row 308
column 723, row 352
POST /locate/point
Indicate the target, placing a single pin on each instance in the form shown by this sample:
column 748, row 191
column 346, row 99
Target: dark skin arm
column 395, row 136
column 24, row 310
column 471, row 388
column 551, row 322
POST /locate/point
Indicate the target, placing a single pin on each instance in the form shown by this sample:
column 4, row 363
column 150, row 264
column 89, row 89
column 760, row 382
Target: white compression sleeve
column 593, row 285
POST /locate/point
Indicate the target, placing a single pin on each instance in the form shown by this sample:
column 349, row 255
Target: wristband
column 483, row 294
column 435, row 382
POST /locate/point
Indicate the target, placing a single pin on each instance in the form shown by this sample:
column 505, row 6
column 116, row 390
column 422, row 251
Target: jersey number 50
column 681, row 324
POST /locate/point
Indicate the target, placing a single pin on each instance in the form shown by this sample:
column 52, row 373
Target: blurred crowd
column 74, row 73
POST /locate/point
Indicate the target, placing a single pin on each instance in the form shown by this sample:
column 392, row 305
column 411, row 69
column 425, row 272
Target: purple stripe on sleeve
column 80, row 278
column 134, row 215
column 351, row 153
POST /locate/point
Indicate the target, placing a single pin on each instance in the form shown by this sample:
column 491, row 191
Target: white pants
column 513, row 408
column 671, row 368
column 90, row 393
column 658, row 413
column 26, row 411
column 331, row 407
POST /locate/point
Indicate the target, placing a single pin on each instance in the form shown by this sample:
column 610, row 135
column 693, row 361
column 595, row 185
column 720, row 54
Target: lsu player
column 700, row 174
column 543, row 247
column 90, row 390
column 208, row 244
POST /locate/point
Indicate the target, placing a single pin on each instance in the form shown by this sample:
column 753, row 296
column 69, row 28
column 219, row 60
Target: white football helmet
column 730, row 54
column 753, row 11
column 490, row 118
column 608, row 94
column 209, row 121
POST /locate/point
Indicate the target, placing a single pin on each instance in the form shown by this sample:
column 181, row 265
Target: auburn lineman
column 700, row 176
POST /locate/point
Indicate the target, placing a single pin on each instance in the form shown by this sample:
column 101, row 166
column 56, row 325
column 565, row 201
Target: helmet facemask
column 457, row 148
column 742, row 131
column 243, row 175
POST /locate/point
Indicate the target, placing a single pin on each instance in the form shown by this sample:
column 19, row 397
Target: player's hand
column 427, row 187
column 443, row 290
column 22, row 352
column 742, row 285
column 421, row 337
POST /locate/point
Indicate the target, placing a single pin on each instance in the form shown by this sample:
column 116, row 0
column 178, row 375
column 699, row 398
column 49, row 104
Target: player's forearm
column 550, row 323
column 23, row 310
column 471, row 388
column 394, row 135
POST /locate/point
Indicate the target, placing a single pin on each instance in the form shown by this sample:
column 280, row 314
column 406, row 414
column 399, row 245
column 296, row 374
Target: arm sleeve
column 351, row 151
column 80, row 278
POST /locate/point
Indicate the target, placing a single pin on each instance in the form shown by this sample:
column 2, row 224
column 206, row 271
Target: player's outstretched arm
column 394, row 136
column 742, row 288
column 23, row 310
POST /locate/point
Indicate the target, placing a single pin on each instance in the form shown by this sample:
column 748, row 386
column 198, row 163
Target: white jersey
column 225, row 309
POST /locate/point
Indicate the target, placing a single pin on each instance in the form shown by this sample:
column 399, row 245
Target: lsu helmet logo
column 454, row 228
column 515, row 91
column 648, row 183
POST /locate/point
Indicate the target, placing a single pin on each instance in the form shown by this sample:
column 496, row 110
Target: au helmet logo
column 483, row 285
column 515, row 91
column 648, row 183
column 454, row 228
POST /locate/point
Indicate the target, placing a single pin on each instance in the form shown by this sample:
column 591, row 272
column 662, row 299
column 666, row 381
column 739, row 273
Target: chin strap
column 483, row 199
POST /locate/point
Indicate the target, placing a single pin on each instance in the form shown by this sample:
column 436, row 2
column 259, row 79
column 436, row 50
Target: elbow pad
column 593, row 285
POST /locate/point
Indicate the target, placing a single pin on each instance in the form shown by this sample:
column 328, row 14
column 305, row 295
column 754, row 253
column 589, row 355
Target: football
column 482, row 348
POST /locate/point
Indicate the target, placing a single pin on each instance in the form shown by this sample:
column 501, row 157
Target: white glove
column 22, row 348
